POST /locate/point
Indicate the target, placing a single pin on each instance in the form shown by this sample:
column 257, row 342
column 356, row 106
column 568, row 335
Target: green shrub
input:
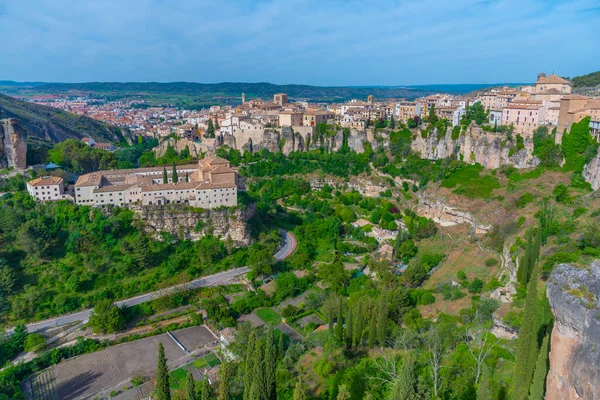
column 561, row 193
column 476, row 286
column 461, row 275
column 490, row 262
column 524, row 199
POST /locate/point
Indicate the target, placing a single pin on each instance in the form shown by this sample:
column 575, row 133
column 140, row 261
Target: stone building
column 209, row 184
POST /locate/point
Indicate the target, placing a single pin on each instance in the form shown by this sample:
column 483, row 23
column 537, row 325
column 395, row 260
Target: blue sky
column 326, row 42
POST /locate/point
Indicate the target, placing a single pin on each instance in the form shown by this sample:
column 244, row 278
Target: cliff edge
column 13, row 144
column 575, row 348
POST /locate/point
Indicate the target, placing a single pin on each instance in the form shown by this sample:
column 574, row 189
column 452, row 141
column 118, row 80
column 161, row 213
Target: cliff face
column 196, row 149
column 475, row 146
column 13, row 144
column 591, row 172
column 446, row 215
column 575, row 352
column 192, row 224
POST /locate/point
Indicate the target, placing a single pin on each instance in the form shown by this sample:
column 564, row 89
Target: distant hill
column 50, row 124
column 589, row 80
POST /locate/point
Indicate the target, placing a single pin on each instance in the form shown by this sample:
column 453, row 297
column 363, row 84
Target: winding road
column 288, row 245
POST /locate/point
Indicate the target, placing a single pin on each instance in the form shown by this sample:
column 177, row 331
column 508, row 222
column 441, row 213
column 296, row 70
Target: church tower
column 243, row 98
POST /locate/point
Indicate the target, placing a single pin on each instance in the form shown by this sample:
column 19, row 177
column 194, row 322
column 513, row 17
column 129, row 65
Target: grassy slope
column 55, row 125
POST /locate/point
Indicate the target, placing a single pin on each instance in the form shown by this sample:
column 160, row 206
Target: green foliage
column 106, row 317
column 469, row 181
column 588, row 80
column 163, row 391
column 575, row 144
column 561, row 193
column 538, row 385
column 545, row 148
column 34, row 342
column 75, row 155
column 474, row 112
column 190, row 387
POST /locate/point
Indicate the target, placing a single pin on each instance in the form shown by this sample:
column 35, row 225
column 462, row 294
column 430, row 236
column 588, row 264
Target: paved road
column 288, row 245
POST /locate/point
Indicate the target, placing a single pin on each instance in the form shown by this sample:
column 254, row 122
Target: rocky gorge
column 13, row 144
column 574, row 295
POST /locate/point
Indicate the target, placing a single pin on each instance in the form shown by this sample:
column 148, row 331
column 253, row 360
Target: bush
column 561, row 193
column 106, row 317
column 34, row 342
column 490, row 262
column 461, row 275
column 524, row 199
column 476, row 286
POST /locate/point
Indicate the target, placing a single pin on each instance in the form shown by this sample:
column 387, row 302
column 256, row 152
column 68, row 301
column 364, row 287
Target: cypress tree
column 249, row 366
column 187, row 177
column 538, row 386
column 175, row 178
column 206, row 390
column 484, row 390
column 382, row 320
column 165, row 179
column 280, row 346
column 339, row 325
column 258, row 387
column 372, row 330
column 300, row 391
column 527, row 346
column 190, row 387
column 331, row 318
column 270, row 363
column 163, row 392
column 403, row 387
column 349, row 328
column 358, row 327
column 224, row 382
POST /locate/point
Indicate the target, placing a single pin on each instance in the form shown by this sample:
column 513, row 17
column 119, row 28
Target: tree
column 480, row 344
column 165, row 178
column 175, row 179
column 210, row 129
column 484, row 390
column 403, row 388
column 372, row 330
column 343, row 393
column 261, row 261
column 8, row 278
column 339, row 324
column 435, row 346
column 141, row 250
column 300, row 391
column 382, row 320
column 432, row 117
column 206, row 392
column 358, row 327
column 35, row 342
column 538, row 386
column 187, row 177
column 106, row 317
column 162, row 392
column 270, row 364
column 190, row 387
column 280, row 346
column 392, row 123
column 349, row 327
column 527, row 345
column 224, row 382
column 249, row 366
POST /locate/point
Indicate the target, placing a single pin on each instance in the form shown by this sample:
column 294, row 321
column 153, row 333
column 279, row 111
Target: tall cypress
column 206, row 390
column 258, row 387
column 382, row 320
column 163, row 392
column 538, row 386
column 175, row 178
column 349, row 327
column 165, row 179
column 331, row 316
column 270, row 363
column 527, row 346
column 358, row 326
column 339, row 325
column 372, row 330
column 190, row 387
column 224, row 382
column 280, row 346
column 249, row 366
column 187, row 177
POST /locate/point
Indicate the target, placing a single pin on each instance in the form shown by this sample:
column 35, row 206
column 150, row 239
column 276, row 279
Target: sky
column 326, row 42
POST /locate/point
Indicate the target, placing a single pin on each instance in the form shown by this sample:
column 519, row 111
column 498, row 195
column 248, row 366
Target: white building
column 48, row 188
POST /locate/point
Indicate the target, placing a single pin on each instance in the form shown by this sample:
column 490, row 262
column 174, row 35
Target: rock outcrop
column 476, row 146
column 190, row 223
column 446, row 215
column 13, row 144
column 591, row 172
column 195, row 149
column 575, row 352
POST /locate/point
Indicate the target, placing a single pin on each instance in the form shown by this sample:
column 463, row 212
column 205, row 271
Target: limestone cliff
column 196, row 149
column 13, row 144
column 446, row 215
column 475, row 146
column 190, row 223
column 575, row 352
column 591, row 172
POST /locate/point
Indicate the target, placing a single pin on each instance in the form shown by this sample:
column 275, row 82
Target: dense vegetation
column 588, row 80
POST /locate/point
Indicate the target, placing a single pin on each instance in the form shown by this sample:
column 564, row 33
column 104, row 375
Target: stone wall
column 191, row 223
column 574, row 295
column 13, row 144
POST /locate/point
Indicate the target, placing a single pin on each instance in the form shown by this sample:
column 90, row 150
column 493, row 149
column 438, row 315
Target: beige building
column 48, row 188
column 209, row 184
column 315, row 117
column 525, row 115
column 290, row 118
column 573, row 108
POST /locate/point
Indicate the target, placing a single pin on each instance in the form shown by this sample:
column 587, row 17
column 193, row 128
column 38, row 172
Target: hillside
column 54, row 125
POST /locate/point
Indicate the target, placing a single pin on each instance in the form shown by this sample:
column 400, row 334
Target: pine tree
column 527, row 346
column 538, row 386
column 349, row 328
column 484, row 390
column 249, row 366
column 372, row 330
column 224, row 382
column 190, row 387
column 163, row 392
column 343, row 393
column 339, row 325
column 165, row 179
column 358, row 327
column 175, row 178
column 270, row 363
column 382, row 320
column 403, row 387
column 300, row 391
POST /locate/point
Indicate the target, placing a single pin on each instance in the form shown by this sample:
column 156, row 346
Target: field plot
column 269, row 316
column 92, row 373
